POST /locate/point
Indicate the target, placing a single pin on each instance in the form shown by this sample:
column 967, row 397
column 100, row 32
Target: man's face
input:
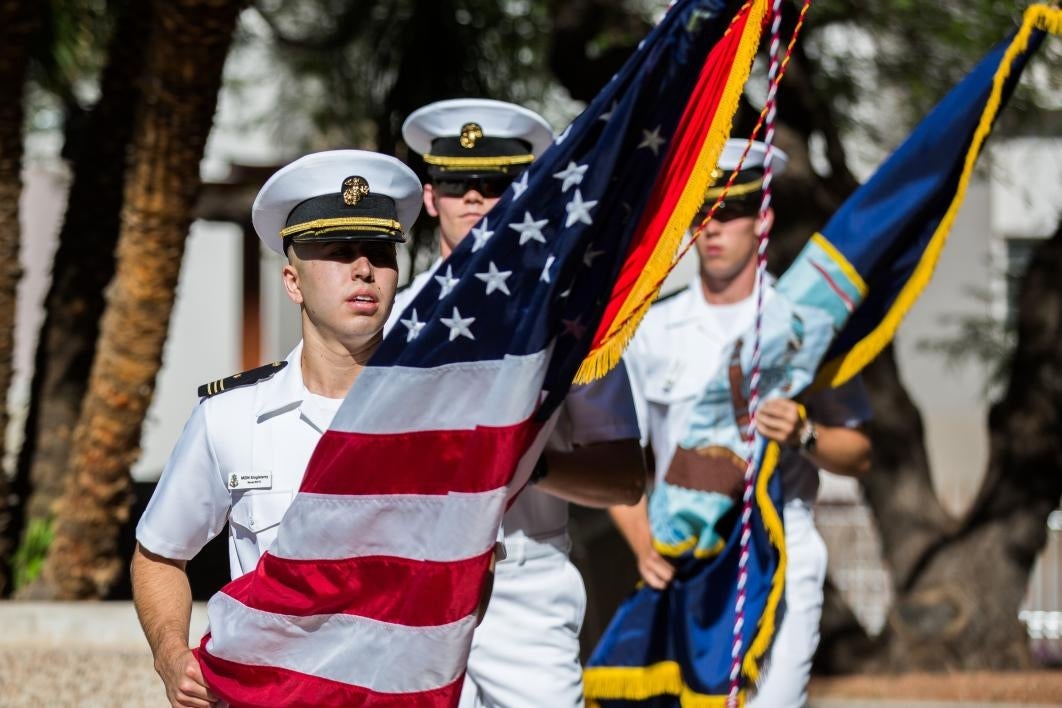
column 460, row 202
column 346, row 288
column 728, row 245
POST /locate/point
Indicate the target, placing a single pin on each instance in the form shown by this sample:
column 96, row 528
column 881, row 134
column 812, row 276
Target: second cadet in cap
column 240, row 459
column 473, row 149
column 525, row 653
column 678, row 348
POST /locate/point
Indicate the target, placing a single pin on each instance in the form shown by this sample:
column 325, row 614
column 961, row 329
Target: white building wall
column 204, row 338
column 952, row 398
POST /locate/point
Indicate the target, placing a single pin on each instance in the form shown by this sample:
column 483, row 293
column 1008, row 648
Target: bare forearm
column 163, row 600
column 837, row 449
column 599, row 475
column 633, row 524
column 844, row 451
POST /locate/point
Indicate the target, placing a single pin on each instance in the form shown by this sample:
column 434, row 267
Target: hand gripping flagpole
column 763, row 229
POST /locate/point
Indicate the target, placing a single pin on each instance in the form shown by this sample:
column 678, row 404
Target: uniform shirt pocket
column 667, row 390
column 258, row 511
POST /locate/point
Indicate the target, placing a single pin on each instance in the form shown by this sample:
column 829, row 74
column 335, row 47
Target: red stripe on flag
column 423, row 462
column 848, row 303
column 432, row 593
column 683, row 150
column 245, row 686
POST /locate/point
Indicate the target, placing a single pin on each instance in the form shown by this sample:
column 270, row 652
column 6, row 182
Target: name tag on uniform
column 251, row 480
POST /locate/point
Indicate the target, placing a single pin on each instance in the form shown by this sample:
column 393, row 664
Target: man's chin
column 363, row 329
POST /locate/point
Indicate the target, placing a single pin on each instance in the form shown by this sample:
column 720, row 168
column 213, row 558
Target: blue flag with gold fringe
column 831, row 313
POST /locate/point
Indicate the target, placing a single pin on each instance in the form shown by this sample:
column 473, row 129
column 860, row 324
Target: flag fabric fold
column 839, row 303
column 369, row 595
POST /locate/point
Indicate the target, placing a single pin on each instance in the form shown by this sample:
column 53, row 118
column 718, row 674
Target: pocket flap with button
column 667, row 390
column 258, row 511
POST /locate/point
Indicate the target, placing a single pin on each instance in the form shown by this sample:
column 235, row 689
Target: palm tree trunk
column 17, row 23
column 82, row 267
column 189, row 42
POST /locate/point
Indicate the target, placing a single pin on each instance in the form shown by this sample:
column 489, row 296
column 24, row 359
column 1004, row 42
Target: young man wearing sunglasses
column 675, row 352
column 526, row 651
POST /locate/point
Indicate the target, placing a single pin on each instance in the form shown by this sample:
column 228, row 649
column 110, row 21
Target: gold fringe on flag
column 607, row 354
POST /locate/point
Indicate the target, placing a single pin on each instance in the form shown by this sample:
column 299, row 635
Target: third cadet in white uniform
column 675, row 352
column 526, row 651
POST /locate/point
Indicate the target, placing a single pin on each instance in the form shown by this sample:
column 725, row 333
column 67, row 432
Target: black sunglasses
column 490, row 187
column 728, row 211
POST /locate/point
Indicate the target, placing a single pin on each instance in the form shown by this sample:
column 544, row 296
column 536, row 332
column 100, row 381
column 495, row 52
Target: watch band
column 540, row 471
column 809, row 436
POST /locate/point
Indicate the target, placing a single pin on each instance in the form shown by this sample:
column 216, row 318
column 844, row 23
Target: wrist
column 170, row 649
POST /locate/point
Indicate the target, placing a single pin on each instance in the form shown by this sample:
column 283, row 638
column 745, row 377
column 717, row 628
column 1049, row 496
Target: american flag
column 369, row 595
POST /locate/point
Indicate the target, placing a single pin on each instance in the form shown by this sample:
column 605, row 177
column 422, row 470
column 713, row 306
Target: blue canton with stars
column 540, row 266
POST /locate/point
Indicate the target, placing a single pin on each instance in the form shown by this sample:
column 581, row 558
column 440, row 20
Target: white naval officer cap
column 337, row 195
column 731, row 154
column 749, row 180
column 476, row 136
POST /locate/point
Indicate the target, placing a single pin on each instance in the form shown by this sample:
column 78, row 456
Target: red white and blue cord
column 763, row 228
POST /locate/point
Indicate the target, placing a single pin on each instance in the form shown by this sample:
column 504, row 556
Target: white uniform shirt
column 675, row 352
column 240, row 459
column 599, row 412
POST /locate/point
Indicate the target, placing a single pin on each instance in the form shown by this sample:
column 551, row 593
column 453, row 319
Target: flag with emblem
column 840, row 303
column 369, row 595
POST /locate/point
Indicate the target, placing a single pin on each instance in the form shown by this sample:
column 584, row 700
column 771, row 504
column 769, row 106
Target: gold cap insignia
column 470, row 133
column 233, row 481
column 354, row 190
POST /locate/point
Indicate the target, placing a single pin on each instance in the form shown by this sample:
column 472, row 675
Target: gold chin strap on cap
column 738, row 190
column 473, row 163
column 350, row 223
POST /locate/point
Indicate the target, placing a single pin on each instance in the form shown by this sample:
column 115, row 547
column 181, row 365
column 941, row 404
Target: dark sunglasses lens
column 489, row 187
column 494, row 187
column 737, row 210
column 451, row 187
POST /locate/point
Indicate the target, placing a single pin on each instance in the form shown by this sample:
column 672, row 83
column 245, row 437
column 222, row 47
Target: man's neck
column 329, row 368
column 729, row 291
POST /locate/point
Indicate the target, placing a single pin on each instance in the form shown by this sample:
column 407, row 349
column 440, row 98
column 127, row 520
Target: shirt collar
column 286, row 391
column 689, row 312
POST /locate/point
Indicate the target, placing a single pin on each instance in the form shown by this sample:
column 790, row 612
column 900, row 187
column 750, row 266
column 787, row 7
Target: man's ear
column 429, row 201
column 292, row 285
column 767, row 222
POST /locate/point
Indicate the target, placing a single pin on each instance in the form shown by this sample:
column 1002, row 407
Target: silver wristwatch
column 809, row 437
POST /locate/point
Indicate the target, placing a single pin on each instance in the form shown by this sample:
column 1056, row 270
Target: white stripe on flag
column 458, row 396
column 435, row 527
column 358, row 651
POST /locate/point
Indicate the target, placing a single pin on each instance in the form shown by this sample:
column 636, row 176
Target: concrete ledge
column 110, row 625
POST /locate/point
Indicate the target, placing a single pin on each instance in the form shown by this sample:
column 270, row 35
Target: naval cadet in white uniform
column 525, row 654
column 677, row 349
column 337, row 216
